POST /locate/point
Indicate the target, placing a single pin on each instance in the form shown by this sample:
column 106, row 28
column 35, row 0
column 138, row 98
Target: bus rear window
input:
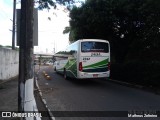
column 94, row 47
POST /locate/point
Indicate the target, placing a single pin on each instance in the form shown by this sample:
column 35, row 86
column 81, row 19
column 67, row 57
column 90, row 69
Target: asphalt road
column 94, row 95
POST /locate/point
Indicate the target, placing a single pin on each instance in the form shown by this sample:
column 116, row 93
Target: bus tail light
column 80, row 66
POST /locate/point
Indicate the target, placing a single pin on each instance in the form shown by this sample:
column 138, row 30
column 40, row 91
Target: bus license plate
column 95, row 75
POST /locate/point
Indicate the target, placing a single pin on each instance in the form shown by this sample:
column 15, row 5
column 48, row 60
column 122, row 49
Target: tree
column 131, row 26
column 46, row 4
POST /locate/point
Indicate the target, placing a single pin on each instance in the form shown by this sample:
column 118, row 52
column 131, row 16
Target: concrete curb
column 43, row 100
column 136, row 86
column 127, row 84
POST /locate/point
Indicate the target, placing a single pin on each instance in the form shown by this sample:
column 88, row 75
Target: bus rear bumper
column 83, row 75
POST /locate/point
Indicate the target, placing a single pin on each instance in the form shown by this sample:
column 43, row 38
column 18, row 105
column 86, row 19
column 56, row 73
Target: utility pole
column 13, row 27
column 26, row 70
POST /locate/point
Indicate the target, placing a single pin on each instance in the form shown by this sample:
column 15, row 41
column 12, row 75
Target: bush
column 147, row 74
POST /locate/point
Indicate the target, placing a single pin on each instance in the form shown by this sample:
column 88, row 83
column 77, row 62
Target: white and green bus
column 86, row 58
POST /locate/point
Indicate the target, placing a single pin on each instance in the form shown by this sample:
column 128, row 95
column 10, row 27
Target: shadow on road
column 87, row 82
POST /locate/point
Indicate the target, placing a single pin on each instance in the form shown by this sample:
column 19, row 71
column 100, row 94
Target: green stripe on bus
column 97, row 67
column 103, row 62
column 100, row 66
column 72, row 66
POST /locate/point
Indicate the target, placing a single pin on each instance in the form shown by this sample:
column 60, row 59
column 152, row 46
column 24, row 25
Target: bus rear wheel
column 65, row 74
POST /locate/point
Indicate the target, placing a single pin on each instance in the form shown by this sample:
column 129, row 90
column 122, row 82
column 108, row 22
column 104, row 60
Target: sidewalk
column 9, row 95
column 9, row 98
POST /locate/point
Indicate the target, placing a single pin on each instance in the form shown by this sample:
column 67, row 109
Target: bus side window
column 75, row 54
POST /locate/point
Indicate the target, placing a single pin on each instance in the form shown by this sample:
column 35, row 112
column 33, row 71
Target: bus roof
column 99, row 40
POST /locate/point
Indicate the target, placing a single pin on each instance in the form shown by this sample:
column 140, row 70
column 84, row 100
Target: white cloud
column 50, row 32
column 5, row 23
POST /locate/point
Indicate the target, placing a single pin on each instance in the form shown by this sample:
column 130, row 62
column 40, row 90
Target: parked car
column 54, row 65
column 49, row 63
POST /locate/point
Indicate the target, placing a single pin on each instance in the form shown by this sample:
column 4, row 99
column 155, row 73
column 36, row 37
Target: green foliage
column 137, row 72
column 16, row 48
column 133, row 29
column 46, row 4
column 127, row 24
column 10, row 47
column 66, row 30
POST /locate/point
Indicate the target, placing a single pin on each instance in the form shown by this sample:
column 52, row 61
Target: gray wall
column 9, row 63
